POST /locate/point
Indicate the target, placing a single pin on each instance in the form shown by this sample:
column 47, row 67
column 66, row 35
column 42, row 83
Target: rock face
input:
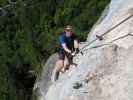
column 105, row 70
column 42, row 85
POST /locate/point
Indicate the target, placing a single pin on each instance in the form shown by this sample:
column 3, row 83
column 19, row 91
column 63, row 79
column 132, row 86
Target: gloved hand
column 73, row 53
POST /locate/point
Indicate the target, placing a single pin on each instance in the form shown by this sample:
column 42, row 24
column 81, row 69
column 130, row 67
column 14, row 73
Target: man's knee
column 59, row 65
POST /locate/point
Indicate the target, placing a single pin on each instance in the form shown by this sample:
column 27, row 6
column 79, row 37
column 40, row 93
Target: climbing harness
column 101, row 36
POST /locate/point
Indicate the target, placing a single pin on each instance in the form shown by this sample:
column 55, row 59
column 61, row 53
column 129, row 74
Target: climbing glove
column 75, row 52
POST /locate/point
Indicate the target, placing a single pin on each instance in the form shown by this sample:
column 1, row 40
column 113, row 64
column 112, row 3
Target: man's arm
column 76, row 41
column 76, row 44
column 66, row 48
column 63, row 44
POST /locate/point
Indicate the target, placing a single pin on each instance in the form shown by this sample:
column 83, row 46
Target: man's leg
column 58, row 67
column 66, row 64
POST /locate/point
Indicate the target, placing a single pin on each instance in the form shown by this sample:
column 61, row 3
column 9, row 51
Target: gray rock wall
column 104, row 72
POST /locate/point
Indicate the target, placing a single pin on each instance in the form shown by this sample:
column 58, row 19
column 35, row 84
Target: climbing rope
column 97, row 37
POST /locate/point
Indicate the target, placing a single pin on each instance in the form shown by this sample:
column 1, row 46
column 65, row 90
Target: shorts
column 61, row 54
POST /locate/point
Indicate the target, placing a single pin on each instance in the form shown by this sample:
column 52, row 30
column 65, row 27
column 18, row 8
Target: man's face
column 68, row 33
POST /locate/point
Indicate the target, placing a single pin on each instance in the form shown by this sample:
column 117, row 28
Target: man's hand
column 66, row 48
column 73, row 53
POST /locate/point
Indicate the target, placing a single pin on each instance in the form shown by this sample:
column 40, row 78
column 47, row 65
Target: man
column 68, row 44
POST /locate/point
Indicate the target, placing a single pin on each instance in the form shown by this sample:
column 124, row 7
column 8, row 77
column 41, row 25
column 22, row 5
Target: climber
column 69, row 46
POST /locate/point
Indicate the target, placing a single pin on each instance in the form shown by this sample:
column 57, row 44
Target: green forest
column 29, row 31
